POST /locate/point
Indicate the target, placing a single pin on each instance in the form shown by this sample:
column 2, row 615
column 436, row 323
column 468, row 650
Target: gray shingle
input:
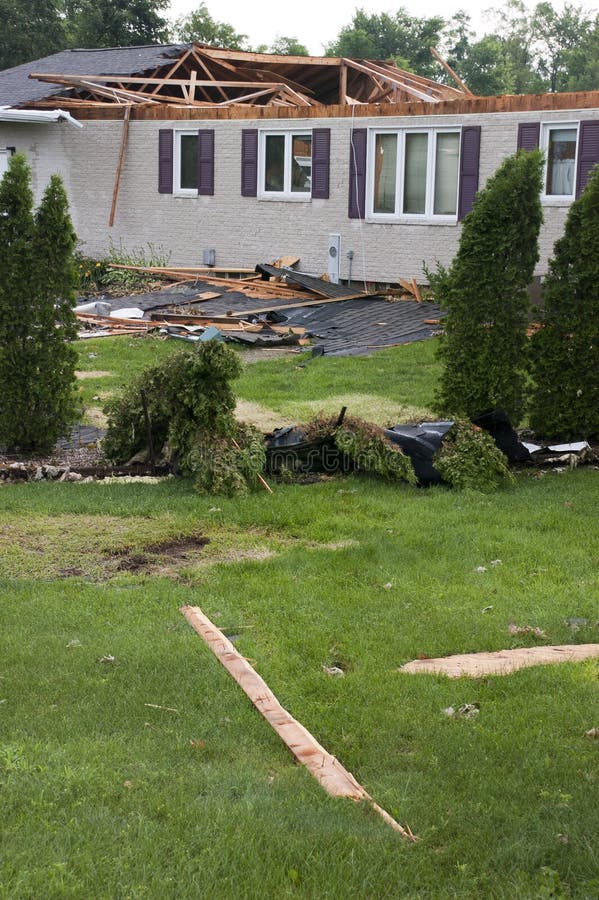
column 17, row 89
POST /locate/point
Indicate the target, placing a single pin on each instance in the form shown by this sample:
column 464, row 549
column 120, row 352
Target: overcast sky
column 318, row 22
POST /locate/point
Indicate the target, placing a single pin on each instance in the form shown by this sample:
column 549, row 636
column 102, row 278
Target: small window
column 559, row 142
column 286, row 165
column 414, row 174
column 5, row 155
column 185, row 179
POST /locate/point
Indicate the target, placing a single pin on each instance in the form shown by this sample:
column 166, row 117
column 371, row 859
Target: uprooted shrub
column 189, row 410
column 469, row 458
column 365, row 446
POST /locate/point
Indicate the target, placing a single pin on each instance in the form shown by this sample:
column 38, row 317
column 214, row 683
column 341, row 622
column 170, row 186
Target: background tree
column 115, row 23
column 36, row 313
column 201, row 27
column 399, row 36
column 565, row 352
column 485, row 294
column 284, row 46
column 30, row 30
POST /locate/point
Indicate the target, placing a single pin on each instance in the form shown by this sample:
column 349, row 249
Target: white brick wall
column 246, row 230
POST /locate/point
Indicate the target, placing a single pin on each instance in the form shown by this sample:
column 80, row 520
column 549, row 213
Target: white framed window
column 285, row 165
column 185, row 164
column 413, row 174
column 559, row 142
column 5, row 155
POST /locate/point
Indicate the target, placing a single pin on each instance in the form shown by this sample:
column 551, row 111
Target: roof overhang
column 37, row 116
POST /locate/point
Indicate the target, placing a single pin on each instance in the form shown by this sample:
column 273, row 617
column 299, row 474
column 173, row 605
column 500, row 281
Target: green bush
column 190, row 406
column 38, row 401
column 484, row 291
column 469, row 458
column 565, row 352
column 366, row 446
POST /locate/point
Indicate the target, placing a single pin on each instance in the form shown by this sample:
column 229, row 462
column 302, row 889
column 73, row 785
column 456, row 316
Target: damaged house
column 230, row 157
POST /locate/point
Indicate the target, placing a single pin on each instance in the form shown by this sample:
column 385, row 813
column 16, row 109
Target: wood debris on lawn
column 500, row 662
column 327, row 770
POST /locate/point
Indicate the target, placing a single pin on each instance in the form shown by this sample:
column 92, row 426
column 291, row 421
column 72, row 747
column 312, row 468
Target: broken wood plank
column 327, row 770
column 293, row 305
column 117, row 177
column 464, row 87
column 501, row 662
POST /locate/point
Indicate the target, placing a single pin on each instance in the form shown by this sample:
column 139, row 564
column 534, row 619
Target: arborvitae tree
column 54, row 243
column 16, row 281
column 485, row 294
column 565, row 352
column 37, row 366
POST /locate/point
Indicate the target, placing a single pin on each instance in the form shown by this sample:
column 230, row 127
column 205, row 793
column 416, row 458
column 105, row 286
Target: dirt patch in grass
column 98, row 548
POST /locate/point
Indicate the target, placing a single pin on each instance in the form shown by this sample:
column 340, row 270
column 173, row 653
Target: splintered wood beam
column 342, row 84
column 300, row 99
column 117, row 177
column 326, row 769
column 192, row 86
column 174, row 67
column 246, row 97
column 201, row 51
column 451, row 72
column 210, row 75
column 397, row 80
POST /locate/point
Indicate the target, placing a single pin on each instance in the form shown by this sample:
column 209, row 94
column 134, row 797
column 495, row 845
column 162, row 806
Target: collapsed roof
column 199, row 76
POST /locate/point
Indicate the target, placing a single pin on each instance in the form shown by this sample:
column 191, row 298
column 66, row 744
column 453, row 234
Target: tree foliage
column 565, row 352
column 398, row 36
column 284, row 46
column 485, row 294
column 199, row 26
column 30, row 30
column 37, row 362
column 190, row 406
column 115, row 23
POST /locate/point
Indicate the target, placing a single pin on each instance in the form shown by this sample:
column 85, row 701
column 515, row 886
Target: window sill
column 411, row 220
column 285, row 198
column 557, row 200
column 186, row 195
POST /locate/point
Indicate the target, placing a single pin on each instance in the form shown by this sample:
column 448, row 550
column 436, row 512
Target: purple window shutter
column 528, row 135
column 249, row 162
column 588, row 153
column 165, row 161
column 321, row 154
column 357, row 174
column 206, row 162
column 469, row 160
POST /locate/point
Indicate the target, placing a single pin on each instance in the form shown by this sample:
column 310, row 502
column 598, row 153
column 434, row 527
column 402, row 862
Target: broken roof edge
column 37, row 116
column 505, row 103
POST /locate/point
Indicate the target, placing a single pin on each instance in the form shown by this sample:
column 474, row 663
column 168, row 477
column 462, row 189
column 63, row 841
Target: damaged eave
column 37, row 116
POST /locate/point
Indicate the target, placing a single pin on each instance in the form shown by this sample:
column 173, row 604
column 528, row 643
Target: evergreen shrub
column 565, row 352
column 190, row 406
column 484, row 347
column 469, row 458
column 38, row 401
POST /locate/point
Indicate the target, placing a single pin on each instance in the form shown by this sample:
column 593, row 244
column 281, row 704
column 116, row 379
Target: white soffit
column 37, row 116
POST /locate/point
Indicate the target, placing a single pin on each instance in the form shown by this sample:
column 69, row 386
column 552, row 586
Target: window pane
column 189, row 161
column 385, row 173
column 561, row 161
column 301, row 162
column 446, row 174
column 274, row 162
column 414, row 200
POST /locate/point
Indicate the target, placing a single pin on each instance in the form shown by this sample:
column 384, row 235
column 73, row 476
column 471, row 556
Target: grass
column 104, row 796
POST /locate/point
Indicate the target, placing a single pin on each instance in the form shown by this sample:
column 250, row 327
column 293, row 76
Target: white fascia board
column 37, row 116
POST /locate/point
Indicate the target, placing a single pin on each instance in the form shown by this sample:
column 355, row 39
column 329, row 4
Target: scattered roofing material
column 339, row 326
column 37, row 116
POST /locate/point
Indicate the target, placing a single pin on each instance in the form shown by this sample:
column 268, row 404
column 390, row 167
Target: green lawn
column 104, row 796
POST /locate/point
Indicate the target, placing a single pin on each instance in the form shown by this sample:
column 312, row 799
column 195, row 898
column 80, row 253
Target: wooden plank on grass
column 327, row 770
column 501, row 662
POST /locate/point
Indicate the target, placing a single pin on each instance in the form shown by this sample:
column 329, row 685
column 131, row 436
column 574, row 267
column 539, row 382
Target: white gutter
column 37, row 116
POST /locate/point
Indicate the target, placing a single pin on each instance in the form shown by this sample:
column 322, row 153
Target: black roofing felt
column 16, row 88
column 347, row 328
